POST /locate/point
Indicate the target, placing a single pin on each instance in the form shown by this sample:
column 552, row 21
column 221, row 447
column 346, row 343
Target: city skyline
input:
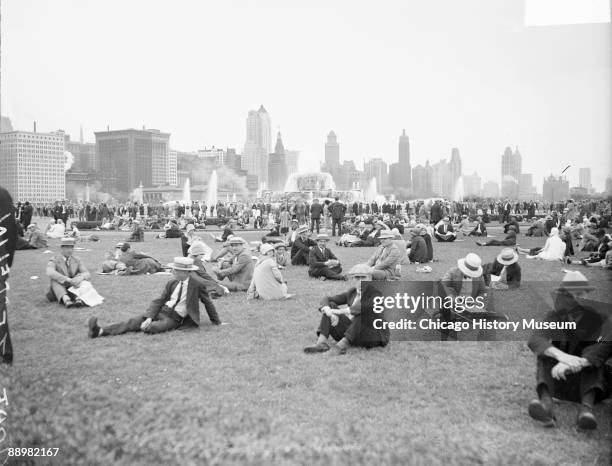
column 477, row 82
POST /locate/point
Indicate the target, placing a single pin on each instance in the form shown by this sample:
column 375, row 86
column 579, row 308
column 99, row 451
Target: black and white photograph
column 272, row 232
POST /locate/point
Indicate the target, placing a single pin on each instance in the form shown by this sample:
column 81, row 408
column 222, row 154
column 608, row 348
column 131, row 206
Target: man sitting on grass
column 386, row 258
column 346, row 325
column 66, row 271
column 504, row 272
column 177, row 305
column 509, row 240
column 444, row 231
column 322, row 262
column 300, row 250
column 239, row 271
column 571, row 363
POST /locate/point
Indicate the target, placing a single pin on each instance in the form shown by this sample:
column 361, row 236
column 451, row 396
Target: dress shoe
column 318, row 348
column 542, row 412
column 586, row 419
column 92, row 327
column 337, row 351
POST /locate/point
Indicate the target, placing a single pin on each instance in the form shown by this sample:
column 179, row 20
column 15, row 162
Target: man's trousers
column 353, row 330
column 166, row 320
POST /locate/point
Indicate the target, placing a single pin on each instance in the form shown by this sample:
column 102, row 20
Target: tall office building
column 584, row 178
column 293, row 160
column 511, row 173
column 377, row 167
column 455, row 170
column 403, row 178
column 441, row 182
column 33, row 166
column 84, row 154
column 277, row 166
column 527, row 191
column 332, row 151
column 555, row 189
column 422, row 180
column 258, row 144
column 129, row 157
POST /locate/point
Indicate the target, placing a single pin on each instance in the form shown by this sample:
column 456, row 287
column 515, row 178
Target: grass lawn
column 246, row 393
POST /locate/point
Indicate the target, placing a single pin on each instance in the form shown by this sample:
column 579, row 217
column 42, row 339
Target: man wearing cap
column 197, row 251
column 300, row 250
column 239, row 271
column 281, row 256
column 464, row 280
column 386, row 257
column 322, row 262
column 571, row 361
column 65, row 271
column 504, row 272
column 346, row 324
column 188, row 238
column 444, row 231
column 267, row 281
column 177, row 305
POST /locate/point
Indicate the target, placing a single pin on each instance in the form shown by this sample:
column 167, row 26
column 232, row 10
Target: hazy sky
column 453, row 73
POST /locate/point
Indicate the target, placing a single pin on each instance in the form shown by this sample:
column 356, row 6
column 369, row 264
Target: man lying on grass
column 177, row 305
column 345, row 325
column 571, row 364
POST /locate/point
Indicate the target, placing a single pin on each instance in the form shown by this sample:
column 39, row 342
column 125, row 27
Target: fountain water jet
column 211, row 194
column 458, row 190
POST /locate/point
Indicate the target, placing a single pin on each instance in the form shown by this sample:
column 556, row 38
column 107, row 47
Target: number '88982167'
column 32, row 451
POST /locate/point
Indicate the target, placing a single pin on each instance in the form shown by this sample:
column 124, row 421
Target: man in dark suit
column 316, row 210
column 347, row 325
column 65, row 271
column 572, row 359
column 338, row 210
column 177, row 305
column 445, row 232
column 300, row 249
column 506, row 268
column 322, row 262
column 26, row 214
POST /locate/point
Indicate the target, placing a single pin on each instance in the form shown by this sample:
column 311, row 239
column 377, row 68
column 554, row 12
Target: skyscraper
column 277, row 166
column 455, row 170
column 441, row 183
column 258, row 144
column 422, row 180
column 511, row 173
column 471, row 184
column 332, row 151
column 33, row 166
column 404, row 177
column 129, row 157
column 555, row 189
column 584, row 175
column 376, row 167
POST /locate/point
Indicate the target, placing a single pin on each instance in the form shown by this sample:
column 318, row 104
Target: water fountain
column 87, row 192
column 458, row 190
column 211, row 194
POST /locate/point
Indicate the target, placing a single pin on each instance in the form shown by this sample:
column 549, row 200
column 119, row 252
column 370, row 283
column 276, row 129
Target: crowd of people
column 399, row 234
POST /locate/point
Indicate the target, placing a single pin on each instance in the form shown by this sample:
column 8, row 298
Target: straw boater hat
column 507, row 257
column 184, row 264
column 118, row 245
column 32, row 225
column 293, row 220
column 322, row 237
column 386, row 234
column 302, row 229
column 279, row 244
column 574, row 281
column 197, row 249
column 189, row 227
column 266, row 248
column 360, row 270
column 69, row 242
column 362, row 224
column 470, row 265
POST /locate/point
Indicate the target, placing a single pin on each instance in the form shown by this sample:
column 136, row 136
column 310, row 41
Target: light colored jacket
column 267, row 282
column 385, row 258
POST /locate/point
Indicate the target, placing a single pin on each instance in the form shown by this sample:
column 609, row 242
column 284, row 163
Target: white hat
column 386, row 234
column 183, row 263
column 574, row 280
column 507, row 257
column 67, row 242
column 470, row 265
column 266, row 248
column 189, row 227
column 198, row 248
column 236, row 240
